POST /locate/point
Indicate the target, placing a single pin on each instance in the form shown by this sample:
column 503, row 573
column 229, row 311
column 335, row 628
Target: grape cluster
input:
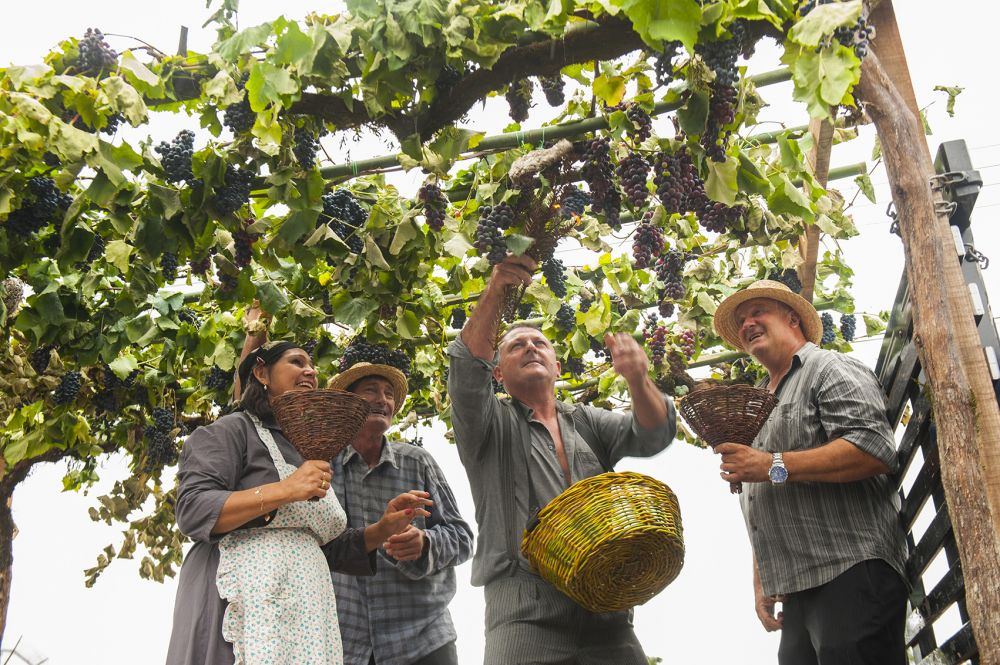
column 68, row 388
column 168, row 266
column 176, row 157
column 669, row 270
column 613, row 209
column 721, row 57
column 618, row 304
column 243, row 241
column 163, row 418
column 717, row 217
column 96, row 251
column 40, row 358
column 435, row 205
column 95, row 54
column 201, row 266
column 686, row 341
column 306, row 147
column 633, row 171
column 235, row 192
column 227, row 282
column 572, row 201
column 647, row 243
column 377, row 354
column 666, row 309
column 447, row 79
column 12, row 292
column 857, row 36
column 575, row 365
column 554, row 89
column 565, row 317
column 525, row 310
column 40, row 207
column 664, row 65
column 489, row 236
column 658, row 345
column 789, row 277
column 678, row 185
column 847, row 327
column 161, row 448
column 239, row 117
column 555, row 276
column 458, row 318
column 586, row 301
column 519, row 98
column 345, row 216
column 642, row 124
column 721, row 113
column 597, row 170
column 218, row 379
column 829, row 331
column 189, row 316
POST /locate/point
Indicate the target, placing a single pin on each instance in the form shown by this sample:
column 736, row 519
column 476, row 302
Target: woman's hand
column 312, row 479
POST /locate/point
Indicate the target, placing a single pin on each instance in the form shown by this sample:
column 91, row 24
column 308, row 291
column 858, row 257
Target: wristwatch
column 777, row 473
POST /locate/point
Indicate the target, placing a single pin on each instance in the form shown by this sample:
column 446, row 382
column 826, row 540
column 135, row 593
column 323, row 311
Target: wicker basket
column 320, row 423
column 609, row 542
column 723, row 414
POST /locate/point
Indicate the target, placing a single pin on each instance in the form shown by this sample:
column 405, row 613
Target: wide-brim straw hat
column 358, row 371
column 728, row 328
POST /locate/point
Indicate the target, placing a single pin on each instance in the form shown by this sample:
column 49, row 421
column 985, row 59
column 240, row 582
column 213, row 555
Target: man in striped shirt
column 820, row 508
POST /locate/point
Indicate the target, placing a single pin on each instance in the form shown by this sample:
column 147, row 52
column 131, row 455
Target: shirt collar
column 800, row 358
column 527, row 412
column 388, row 455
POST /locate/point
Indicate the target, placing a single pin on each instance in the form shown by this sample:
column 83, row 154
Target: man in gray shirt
column 820, row 509
column 521, row 453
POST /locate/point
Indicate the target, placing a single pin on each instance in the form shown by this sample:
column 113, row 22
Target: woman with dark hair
column 255, row 587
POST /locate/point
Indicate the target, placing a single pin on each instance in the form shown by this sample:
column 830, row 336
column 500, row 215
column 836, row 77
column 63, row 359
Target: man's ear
column 794, row 319
column 497, row 374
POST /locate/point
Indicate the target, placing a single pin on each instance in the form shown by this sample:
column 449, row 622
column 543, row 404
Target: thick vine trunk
column 965, row 416
column 818, row 161
column 6, row 559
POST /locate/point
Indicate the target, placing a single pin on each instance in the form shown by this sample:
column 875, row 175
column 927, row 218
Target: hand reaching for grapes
column 513, row 271
column 627, row 357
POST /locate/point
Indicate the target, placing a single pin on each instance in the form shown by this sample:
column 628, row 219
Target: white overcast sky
column 706, row 615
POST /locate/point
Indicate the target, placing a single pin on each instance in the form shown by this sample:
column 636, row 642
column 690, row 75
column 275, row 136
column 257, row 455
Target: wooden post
column 818, row 161
column 962, row 413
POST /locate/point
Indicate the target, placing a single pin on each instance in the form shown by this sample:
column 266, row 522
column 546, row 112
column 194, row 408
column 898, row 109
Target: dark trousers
column 530, row 622
column 855, row 619
column 446, row 655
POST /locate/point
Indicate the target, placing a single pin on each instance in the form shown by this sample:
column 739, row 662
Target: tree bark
column 963, row 432
column 818, row 161
column 6, row 559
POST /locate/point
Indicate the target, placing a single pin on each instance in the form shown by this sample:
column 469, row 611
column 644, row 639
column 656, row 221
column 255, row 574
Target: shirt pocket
column 586, row 462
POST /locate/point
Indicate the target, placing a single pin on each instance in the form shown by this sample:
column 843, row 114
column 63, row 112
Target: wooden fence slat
column 930, row 544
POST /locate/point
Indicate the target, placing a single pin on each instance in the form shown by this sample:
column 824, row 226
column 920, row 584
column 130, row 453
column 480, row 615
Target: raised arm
column 256, row 321
column 480, row 331
column 629, row 360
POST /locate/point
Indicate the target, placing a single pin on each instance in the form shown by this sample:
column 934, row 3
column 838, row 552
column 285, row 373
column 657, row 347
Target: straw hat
column 725, row 316
column 358, row 371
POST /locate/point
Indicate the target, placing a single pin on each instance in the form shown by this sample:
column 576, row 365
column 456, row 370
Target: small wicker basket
column 609, row 542
column 734, row 414
column 320, row 423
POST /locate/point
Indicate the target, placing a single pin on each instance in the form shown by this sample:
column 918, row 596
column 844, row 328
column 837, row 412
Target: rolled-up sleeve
column 852, row 407
column 347, row 554
column 449, row 537
column 473, row 403
column 209, row 471
column 623, row 436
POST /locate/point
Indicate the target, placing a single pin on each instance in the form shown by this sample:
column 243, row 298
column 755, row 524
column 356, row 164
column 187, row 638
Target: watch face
column 778, row 474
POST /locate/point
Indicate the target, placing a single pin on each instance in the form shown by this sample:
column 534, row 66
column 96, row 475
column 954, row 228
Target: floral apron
column 282, row 609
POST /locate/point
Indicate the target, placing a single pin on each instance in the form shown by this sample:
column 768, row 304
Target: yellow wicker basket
column 609, row 542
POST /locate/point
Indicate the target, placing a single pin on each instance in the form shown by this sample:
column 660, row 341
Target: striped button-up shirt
column 804, row 534
column 400, row 614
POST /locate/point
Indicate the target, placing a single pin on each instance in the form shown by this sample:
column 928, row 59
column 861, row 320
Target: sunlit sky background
column 706, row 615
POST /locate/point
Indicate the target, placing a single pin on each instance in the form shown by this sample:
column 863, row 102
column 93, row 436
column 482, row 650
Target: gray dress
column 217, row 460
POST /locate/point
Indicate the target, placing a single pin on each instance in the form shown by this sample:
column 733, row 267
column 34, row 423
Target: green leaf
column 721, row 184
column 457, row 246
column 297, row 224
column 864, row 183
column 268, row 84
column 518, row 244
column 873, row 324
column 749, row 178
column 374, row 254
column 138, row 74
column 405, row 232
column 125, row 99
column 787, row 198
column 953, row 92
column 706, row 303
column 823, row 20
column 272, row 297
column 295, row 47
column 693, row 115
column 609, row 89
column 407, row 324
column 244, row 41
column 822, row 79
column 69, row 142
column 117, row 253
column 352, row 311
column 123, row 365
column 657, row 21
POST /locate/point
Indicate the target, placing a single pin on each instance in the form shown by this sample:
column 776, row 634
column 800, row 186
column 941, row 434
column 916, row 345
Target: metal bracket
column 945, row 207
column 944, row 180
column 890, row 211
column 973, row 254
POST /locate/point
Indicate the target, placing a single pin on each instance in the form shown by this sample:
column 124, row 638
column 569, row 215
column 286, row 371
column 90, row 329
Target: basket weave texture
column 727, row 413
column 609, row 542
column 320, row 423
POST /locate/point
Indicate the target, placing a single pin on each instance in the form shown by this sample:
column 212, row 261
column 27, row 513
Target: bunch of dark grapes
column 243, row 241
column 847, row 327
column 575, row 365
column 678, row 185
column 642, row 124
column 227, row 282
column 489, row 236
column 586, row 302
column 176, row 157
column 633, row 171
column 96, row 251
column 447, row 79
column 566, row 317
column 664, row 65
column 555, row 276
column 161, row 449
column 435, row 205
column 306, row 147
column 68, row 388
column 458, row 318
column 201, row 266
column 857, row 36
column 95, row 54
column 345, row 216
column 239, row 117
column 189, row 316
column 40, row 207
column 112, row 124
column 377, row 354
column 789, row 277
column 829, row 331
column 218, row 379
column 572, row 201
column 554, row 89
column 168, row 266
column 40, row 358
column 666, row 309
column 669, row 270
column 658, row 345
column 525, row 310
column 163, row 418
column 597, row 170
column 721, row 58
column 686, row 341
column 721, row 113
column 613, row 209
column 519, row 98
column 717, row 217
column 235, row 192
column 618, row 304
column 647, row 243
